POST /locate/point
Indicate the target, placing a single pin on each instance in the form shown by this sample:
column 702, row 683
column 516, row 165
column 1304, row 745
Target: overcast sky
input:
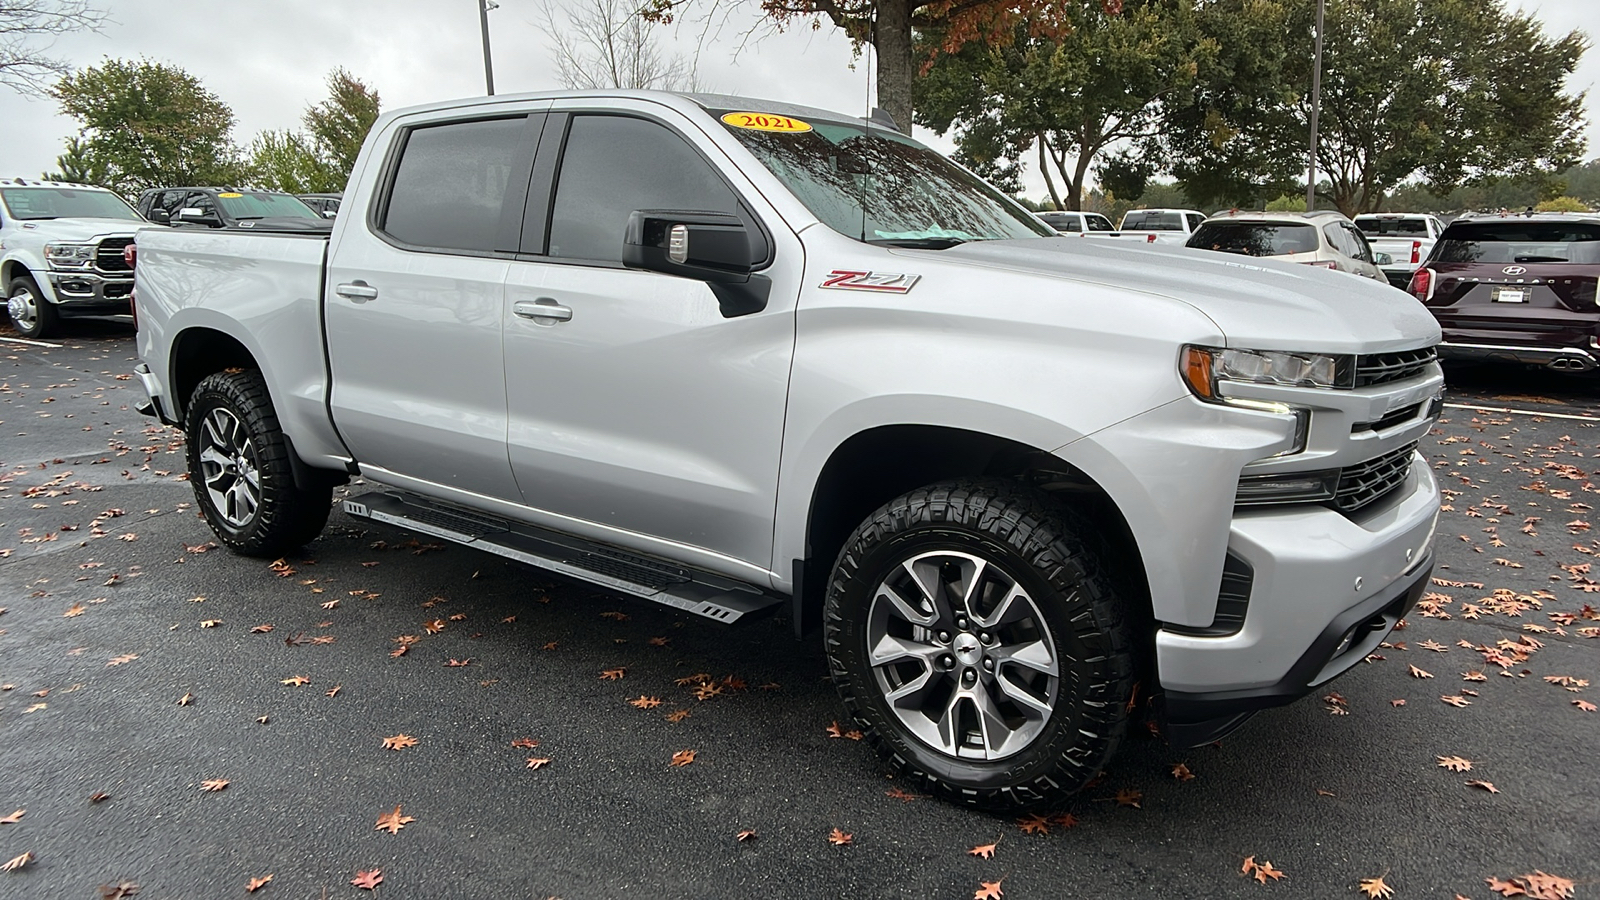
column 268, row 59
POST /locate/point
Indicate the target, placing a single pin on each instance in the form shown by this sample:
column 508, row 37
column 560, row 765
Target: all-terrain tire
column 1041, row 548
column 283, row 516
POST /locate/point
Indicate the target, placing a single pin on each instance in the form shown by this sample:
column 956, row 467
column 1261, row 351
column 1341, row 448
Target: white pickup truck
column 1408, row 238
column 735, row 356
column 1161, row 226
column 61, row 253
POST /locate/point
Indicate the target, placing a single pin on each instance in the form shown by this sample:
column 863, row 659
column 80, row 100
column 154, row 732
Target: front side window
column 1255, row 238
column 1511, row 241
column 882, row 187
column 450, row 186
column 1097, row 222
column 613, row 165
column 64, row 203
column 201, row 201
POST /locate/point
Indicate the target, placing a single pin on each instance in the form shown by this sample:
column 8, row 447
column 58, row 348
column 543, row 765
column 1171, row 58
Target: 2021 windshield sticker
column 764, row 122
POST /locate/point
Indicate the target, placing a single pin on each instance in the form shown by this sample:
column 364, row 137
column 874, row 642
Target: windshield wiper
column 942, row 243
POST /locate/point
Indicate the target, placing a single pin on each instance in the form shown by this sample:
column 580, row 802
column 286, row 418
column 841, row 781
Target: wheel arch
column 198, row 352
column 876, row 465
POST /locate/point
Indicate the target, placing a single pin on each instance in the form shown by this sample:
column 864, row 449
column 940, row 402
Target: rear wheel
column 972, row 632
column 31, row 314
column 239, row 466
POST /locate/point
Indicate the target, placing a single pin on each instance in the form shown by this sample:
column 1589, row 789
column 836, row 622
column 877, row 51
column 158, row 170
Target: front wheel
column 239, row 466
column 973, row 632
column 30, row 312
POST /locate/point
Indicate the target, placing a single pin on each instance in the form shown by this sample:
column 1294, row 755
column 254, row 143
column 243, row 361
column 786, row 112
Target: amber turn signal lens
column 1197, row 371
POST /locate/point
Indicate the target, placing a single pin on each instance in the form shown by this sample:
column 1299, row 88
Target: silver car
column 1325, row 239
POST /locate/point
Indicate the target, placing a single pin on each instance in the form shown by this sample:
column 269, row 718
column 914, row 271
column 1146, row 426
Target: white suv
column 61, row 253
column 1325, row 239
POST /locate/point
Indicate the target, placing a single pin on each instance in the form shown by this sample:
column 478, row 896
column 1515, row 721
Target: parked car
column 227, row 207
column 1408, row 238
column 1325, row 239
column 1517, row 288
column 61, row 253
column 688, row 349
column 1083, row 224
column 326, row 205
column 1161, row 226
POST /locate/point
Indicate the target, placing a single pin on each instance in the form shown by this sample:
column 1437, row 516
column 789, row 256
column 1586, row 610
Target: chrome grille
column 1363, row 483
column 108, row 256
column 1382, row 368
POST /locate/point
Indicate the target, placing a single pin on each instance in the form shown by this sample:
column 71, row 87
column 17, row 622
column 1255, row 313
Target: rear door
column 644, row 413
column 414, row 302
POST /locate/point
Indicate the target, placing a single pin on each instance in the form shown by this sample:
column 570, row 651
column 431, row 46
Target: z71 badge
column 883, row 282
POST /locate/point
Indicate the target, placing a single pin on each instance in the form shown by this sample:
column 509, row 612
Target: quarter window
column 450, row 188
column 614, row 165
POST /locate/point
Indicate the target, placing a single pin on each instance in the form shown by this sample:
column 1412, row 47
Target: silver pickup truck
column 736, row 356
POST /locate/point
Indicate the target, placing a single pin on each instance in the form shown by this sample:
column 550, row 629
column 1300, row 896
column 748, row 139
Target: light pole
column 1316, row 105
column 483, row 23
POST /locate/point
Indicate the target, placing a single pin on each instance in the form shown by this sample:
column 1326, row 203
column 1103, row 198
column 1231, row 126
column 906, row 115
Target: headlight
column 1205, row 367
column 69, row 256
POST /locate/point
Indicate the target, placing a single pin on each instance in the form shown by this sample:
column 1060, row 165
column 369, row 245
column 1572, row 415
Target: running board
column 691, row 590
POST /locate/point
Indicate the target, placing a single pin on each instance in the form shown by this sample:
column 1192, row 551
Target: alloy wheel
column 228, row 463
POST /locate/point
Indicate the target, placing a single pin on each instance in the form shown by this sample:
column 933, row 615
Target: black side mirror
column 713, row 247
column 160, row 216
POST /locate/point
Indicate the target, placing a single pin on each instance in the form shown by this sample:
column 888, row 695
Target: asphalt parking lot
column 140, row 664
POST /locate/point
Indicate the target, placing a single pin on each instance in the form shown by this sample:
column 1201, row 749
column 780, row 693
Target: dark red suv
column 1516, row 288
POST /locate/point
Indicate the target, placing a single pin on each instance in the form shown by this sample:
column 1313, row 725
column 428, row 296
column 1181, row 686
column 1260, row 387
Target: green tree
column 77, row 166
column 1442, row 91
column 1286, row 203
column 1563, row 204
column 286, row 161
column 338, row 125
column 147, row 124
column 1071, row 99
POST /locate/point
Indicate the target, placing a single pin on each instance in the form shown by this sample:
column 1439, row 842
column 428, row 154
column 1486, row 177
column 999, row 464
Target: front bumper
column 1325, row 589
column 91, row 294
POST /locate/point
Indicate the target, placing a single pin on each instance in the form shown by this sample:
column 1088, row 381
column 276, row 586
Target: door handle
column 359, row 291
column 543, row 311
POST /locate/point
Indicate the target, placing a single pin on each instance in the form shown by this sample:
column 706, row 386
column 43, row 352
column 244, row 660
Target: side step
column 691, row 590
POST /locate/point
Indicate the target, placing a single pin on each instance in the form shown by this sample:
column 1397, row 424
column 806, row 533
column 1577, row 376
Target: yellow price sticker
column 765, row 122
column 230, row 195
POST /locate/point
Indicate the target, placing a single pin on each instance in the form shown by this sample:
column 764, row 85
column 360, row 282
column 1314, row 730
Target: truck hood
column 1257, row 303
column 78, row 229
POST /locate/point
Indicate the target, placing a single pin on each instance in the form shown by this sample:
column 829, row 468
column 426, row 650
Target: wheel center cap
column 967, row 649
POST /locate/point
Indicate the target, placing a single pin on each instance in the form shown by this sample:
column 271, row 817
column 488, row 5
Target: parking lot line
column 1521, row 412
column 28, row 342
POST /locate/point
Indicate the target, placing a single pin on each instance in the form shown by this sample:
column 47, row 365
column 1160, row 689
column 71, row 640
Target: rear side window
column 1380, row 226
column 1255, row 238
column 1510, row 241
column 614, row 165
column 451, row 184
column 1142, row 220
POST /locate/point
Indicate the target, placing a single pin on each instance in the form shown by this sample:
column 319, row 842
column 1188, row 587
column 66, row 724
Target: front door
column 414, row 302
column 641, row 413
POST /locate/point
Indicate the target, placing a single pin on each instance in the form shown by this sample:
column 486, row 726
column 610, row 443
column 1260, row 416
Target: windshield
column 1255, row 238
column 881, row 187
column 65, row 203
column 1146, row 220
column 1520, row 242
column 1377, row 226
column 260, row 205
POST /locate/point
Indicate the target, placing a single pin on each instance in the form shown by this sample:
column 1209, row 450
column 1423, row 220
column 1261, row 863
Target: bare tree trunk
column 891, row 39
column 1044, row 168
column 1085, row 155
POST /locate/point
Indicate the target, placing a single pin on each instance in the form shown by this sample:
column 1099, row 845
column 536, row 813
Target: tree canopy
column 320, row 158
column 147, row 124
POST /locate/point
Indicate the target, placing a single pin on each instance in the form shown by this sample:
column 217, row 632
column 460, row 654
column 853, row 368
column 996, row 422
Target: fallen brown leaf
column 399, row 742
column 257, row 884
column 212, row 785
column 839, row 838
column 538, row 762
column 368, row 880
column 1485, row 785
column 1375, row 889
column 683, row 757
column 17, row 862
column 392, row 822
column 984, row 851
column 988, row 890
column 13, row 818
column 1455, row 763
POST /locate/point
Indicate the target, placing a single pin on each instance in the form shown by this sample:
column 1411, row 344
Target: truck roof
column 679, row 100
column 29, row 182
